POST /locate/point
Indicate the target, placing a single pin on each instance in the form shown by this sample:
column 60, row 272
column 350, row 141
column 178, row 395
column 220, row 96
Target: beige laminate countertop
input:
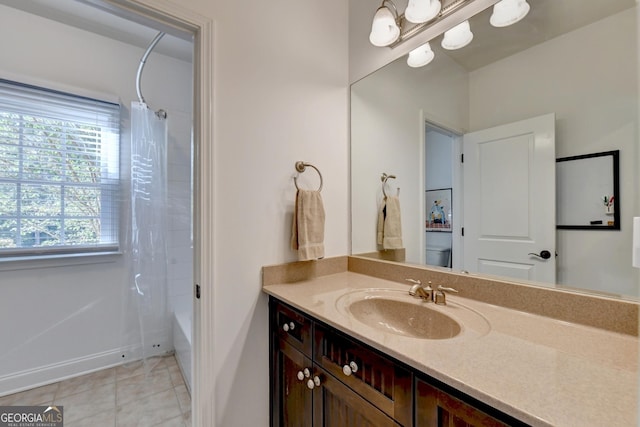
column 542, row 371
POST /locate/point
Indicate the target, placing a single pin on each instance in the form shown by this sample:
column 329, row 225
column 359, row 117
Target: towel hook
column 384, row 179
column 300, row 167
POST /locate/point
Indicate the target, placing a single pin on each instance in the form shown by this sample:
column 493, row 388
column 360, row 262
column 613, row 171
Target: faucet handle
column 440, row 297
column 417, row 282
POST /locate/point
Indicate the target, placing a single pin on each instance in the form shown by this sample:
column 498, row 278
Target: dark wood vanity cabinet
column 291, row 326
column 306, row 393
column 292, row 398
column 329, row 403
column 291, row 344
column 435, row 408
column 322, row 377
column 371, row 375
column 335, row 404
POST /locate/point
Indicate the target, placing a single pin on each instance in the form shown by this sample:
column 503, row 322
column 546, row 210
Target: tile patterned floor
column 132, row 395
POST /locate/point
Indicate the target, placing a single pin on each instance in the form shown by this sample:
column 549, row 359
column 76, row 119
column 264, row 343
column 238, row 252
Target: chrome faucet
column 425, row 293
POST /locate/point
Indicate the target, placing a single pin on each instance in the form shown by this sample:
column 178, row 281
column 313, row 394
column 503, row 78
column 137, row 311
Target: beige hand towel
column 307, row 234
column 391, row 224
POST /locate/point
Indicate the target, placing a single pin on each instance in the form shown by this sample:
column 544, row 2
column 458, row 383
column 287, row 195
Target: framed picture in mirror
column 438, row 206
column 588, row 191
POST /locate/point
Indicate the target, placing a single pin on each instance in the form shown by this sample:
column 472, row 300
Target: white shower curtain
column 149, row 226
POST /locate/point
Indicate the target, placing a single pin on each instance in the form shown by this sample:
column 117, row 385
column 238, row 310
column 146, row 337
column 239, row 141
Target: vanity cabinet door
column 291, row 326
column 376, row 378
column 327, row 402
column 291, row 398
column 336, row 405
column 435, row 408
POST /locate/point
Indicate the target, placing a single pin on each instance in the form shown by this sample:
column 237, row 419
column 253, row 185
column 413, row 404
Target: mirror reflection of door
column 509, row 200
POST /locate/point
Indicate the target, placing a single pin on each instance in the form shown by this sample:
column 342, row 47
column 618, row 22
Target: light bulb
column 457, row 37
column 508, row 12
column 419, row 11
column 384, row 29
column 420, row 56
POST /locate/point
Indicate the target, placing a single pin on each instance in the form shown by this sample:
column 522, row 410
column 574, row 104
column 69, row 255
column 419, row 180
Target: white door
column 509, row 200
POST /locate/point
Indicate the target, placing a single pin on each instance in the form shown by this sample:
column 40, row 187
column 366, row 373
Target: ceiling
column 547, row 19
column 121, row 27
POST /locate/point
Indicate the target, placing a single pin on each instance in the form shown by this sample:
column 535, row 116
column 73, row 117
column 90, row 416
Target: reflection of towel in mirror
column 389, row 234
column 307, row 233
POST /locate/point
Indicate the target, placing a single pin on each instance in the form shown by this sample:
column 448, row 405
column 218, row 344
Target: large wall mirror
column 563, row 81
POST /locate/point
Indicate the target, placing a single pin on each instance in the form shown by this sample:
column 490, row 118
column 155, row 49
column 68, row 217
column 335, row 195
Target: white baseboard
column 43, row 375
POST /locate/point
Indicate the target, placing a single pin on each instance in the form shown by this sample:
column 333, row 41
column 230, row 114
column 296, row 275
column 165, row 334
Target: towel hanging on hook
column 389, row 228
column 307, row 232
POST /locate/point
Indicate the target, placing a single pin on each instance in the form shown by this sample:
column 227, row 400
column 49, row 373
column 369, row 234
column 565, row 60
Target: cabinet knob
column 288, row 326
column 313, row 383
column 304, row 374
column 350, row 368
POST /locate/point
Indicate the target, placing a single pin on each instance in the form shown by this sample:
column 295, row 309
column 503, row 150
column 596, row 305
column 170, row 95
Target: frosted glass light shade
column 419, row 11
column 384, row 29
column 457, row 37
column 420, row 56
column 508, row 12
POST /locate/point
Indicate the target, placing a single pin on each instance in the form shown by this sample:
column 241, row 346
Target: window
column 59, row 172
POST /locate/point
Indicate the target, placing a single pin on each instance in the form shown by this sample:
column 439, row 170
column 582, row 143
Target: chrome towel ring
column 300, row 167
column 384, row 179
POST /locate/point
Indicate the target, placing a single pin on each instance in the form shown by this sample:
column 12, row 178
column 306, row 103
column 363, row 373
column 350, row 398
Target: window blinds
column 59, row 172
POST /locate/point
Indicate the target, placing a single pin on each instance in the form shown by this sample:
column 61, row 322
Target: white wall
column 590, row 80
column 438, row 159
column 63, row 320
column 281, row 95
column 388, row 111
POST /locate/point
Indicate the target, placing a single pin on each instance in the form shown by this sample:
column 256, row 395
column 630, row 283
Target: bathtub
column 182, row 341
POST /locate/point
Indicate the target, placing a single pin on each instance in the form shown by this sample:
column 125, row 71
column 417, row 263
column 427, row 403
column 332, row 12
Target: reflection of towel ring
column 300, row 167
column 384, row 179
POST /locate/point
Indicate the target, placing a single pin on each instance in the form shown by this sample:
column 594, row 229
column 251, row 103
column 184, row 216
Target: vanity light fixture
column 508, row 12
column 458, row 36
column 419, row 11
column 420, row 56
column 385, row 28
column 391, row 28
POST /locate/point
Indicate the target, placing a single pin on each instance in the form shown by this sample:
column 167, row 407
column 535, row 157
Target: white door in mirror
column 509, row 200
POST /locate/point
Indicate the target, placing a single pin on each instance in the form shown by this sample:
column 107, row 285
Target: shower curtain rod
column 143, row 60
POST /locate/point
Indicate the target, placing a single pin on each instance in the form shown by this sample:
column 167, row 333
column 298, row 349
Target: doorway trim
column 202, row 28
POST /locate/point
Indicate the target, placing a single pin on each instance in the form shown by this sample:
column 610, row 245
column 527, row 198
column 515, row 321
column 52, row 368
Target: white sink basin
column 395, row 311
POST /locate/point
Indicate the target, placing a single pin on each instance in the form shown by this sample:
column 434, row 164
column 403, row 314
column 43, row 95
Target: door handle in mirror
column 545, row 254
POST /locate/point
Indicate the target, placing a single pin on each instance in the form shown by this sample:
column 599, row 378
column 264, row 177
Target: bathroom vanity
column 322, row 377
column 338, row 357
